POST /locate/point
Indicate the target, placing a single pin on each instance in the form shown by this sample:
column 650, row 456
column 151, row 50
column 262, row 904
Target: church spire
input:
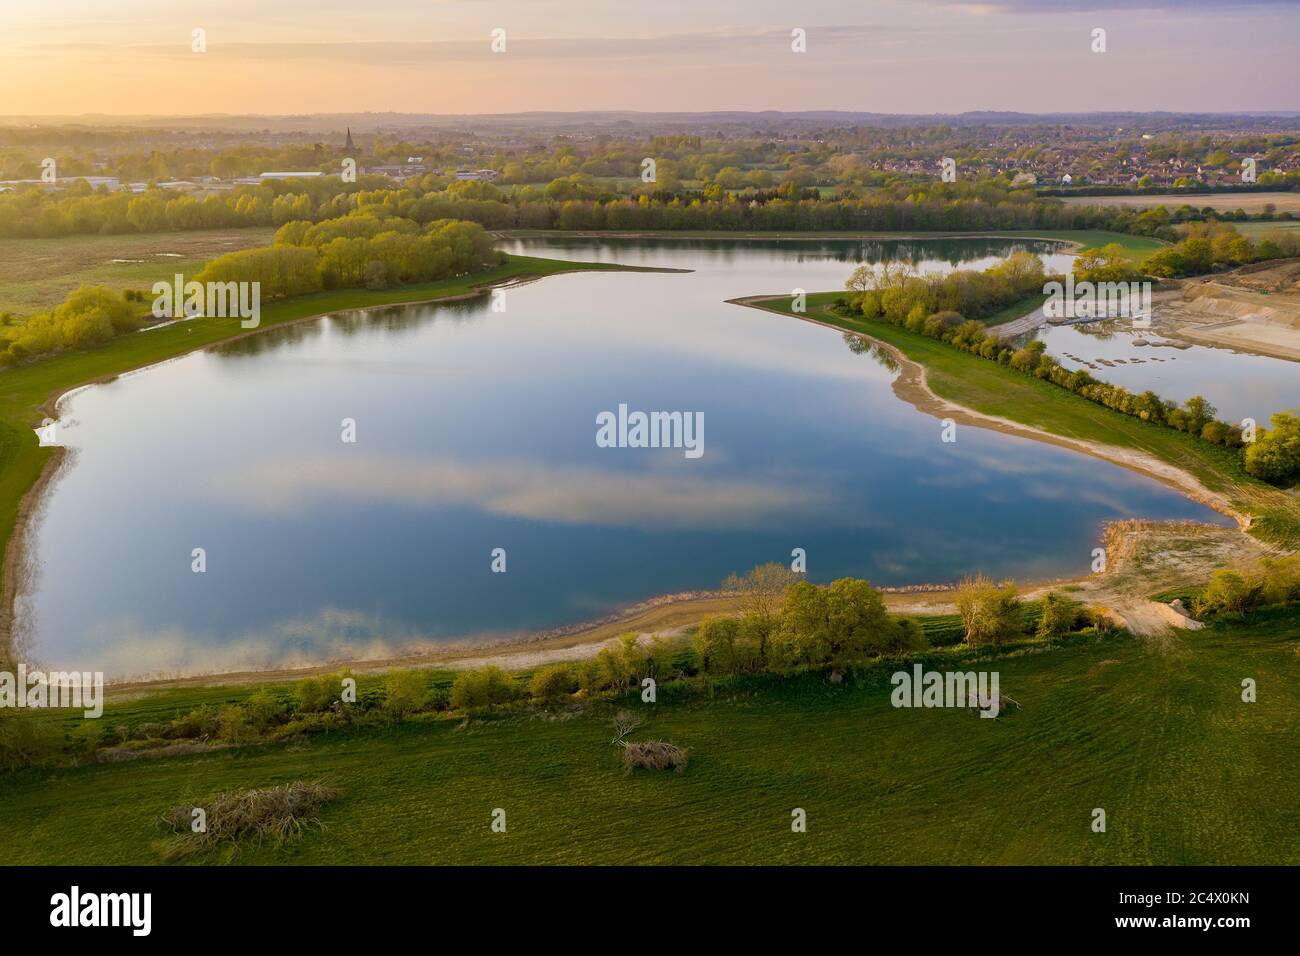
column 349, row 145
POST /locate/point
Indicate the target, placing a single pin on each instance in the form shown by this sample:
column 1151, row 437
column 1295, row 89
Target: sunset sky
column 897, row 56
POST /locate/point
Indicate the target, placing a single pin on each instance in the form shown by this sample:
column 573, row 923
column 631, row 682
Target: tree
column 990, row 613
column 761, row 595
column 838, row 625
column 715, row 644
column 1274, row 456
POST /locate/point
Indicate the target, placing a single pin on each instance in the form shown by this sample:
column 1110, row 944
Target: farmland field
column 1251, row 202
column 39, row 273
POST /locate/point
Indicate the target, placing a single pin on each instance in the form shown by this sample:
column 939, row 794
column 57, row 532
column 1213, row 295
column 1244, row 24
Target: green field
column 39, row 273
column 1186, row 772
column 1259, row 230
column 987, row 387
column 23, row 390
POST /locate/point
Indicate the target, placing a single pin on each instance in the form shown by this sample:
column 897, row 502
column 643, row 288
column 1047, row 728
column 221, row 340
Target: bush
column 315, row 694
column 653, row 755
column 1227, row 593
column 25, row 741
column 275, row 813
column 1060, row 615
column 1280, row 580
column 407, row 692
column 263, row 710
column 202, row 721
column 990, row 613
column 553, row 682
column 482, row 687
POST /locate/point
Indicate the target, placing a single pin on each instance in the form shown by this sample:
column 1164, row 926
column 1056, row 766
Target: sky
column 131, row 57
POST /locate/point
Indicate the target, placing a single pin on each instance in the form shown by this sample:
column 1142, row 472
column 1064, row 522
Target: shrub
column 553, row 682
column 1280, row 580
column 653, row 755
column 202, row 721
column 275, row 813
column 233, row 724
column 314, row 694
column 1227, row 593
column 482, row 687
column 407, row 692
column 263, row 710
column 1060, row 615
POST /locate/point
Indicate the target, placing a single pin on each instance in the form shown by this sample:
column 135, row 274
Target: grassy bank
column 25, row 391
column 1103, row 723
column 992, row 389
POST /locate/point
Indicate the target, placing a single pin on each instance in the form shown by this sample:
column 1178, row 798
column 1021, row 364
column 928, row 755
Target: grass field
column 987, row 387
column 23, row 390
column 39, row 273
column 1186, row 772
column 1258, row 230
column 1251, row 202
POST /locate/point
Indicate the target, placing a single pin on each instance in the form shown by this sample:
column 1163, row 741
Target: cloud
column 519, row 47
column 567, row 495
column 124, row 650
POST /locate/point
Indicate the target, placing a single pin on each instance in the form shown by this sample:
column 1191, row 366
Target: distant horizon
column 808, row 116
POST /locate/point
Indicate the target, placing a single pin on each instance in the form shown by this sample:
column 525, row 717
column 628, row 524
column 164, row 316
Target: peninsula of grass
column 27, row 391
column 992, row 389
column 1103, row 722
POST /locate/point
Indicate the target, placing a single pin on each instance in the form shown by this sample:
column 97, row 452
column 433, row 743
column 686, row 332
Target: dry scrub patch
column 239, row 817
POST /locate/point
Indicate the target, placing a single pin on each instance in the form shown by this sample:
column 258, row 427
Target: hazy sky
column 914, row 56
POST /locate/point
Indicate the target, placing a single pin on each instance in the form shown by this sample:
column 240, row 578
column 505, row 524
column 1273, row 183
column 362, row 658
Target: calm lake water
column 476, row 430
column 1238, row 384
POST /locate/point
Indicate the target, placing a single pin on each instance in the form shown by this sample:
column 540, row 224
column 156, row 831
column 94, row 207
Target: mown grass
column 987, row 387
column 1160, row 739
column 25, row 389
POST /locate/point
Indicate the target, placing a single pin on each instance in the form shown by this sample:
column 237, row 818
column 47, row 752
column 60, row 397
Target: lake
column 476, row 430
column 1238, row 384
